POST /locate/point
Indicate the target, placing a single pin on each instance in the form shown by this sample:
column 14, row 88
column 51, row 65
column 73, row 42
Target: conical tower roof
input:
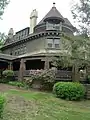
column 52, row 14
column 67, row 22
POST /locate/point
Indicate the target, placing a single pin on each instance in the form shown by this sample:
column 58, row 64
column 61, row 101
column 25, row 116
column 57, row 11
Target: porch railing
column 61, row 75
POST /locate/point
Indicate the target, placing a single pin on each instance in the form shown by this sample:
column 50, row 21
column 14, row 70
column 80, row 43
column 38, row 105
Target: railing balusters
column 60, row 74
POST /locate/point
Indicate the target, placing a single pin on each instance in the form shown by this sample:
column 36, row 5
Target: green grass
column 32, row 105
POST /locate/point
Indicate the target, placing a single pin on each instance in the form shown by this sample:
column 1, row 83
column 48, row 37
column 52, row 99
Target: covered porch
column 41, row 61
column 5, row 62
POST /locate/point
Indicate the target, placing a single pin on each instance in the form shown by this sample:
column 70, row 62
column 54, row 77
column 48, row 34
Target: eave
column 32, row 37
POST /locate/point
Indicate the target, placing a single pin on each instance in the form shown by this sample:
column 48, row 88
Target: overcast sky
column 17, row 13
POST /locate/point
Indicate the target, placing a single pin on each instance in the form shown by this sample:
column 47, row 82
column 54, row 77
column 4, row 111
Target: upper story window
column 20, row 49
column 57, row 43
column 52, row 26
column 50, row 43
column 53, row 43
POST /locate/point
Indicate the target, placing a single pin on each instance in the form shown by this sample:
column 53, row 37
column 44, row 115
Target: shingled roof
column 7, row 57
column 67, row 22
column 53, row 13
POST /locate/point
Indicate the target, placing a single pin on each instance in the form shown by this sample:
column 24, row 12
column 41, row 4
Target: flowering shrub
column 46, row 78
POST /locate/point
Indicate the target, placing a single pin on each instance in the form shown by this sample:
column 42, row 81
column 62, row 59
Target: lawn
column 33, row 105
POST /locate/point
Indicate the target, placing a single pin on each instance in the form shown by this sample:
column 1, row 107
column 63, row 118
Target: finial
column 54, row 4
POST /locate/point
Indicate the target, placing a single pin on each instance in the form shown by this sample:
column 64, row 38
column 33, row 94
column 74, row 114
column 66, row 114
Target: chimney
column 33, row 20
column 11, row 33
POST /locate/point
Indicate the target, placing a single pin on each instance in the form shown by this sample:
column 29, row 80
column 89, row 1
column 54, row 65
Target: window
column 10, row 53
column 52, row 26
column 19, row 37
column 20, row 49
column 24, row 32
column 57, row 43
column 50, row 43
column 53, row 43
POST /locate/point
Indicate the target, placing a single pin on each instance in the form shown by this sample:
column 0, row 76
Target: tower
column 33, row 20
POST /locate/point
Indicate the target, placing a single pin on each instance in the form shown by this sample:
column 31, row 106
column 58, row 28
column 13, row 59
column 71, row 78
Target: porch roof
column 42, row 53
column 7, row 57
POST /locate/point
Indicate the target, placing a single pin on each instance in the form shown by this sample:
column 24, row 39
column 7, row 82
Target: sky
column 17, row 13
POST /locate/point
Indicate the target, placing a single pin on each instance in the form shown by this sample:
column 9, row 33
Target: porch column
column 46, row 65
column 22, row 69
column 10, row 66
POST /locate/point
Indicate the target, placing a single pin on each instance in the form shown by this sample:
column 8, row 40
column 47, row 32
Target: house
column 34, row 46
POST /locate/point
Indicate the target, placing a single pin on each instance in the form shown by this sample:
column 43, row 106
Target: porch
column 61, row 75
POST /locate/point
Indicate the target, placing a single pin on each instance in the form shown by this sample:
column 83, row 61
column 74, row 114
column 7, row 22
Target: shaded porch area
column 34, row 64
column 6, row 62
column 3, row 65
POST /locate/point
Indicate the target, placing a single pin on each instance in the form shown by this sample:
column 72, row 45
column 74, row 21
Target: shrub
column 48, row 79
column 8, row 75
column 45, row 77
column 2, row 102
column 69, row 90
column 17, row 83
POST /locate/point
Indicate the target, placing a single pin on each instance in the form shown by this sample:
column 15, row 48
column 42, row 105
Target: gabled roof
column 53, row 13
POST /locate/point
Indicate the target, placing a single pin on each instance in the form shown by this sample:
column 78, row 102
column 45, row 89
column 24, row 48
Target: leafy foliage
column 2, row 102
column 8, row 73
column 81, row 14
column 77, row 53
column 3, row 4
column 2, row 39
column 69, row 90
column 46, row 78
column 16, row 83
column 8, row 76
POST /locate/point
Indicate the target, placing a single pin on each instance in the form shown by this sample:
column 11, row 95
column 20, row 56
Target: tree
column 2, row 39
column 77, row 53
column 3, row 4
column 81, row 15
